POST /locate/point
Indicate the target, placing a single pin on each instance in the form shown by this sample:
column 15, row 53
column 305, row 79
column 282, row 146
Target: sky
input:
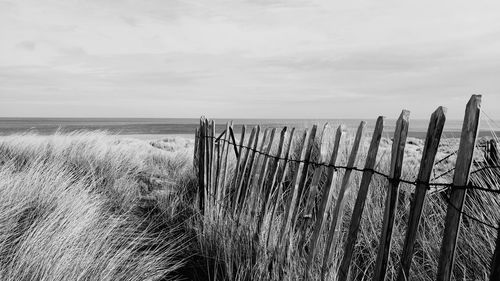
column 247, row 59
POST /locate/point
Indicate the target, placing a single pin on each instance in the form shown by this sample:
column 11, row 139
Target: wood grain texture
column 280, row 178
column 339, row 204
column 238, row 167
column 201, row 167
column 457, row 196
column 266, row 190
column 287, row 218
column 326, row 198
column 244, row 166
column 359, row 205
column 247, row 175
column 433, row 137
column 391, row 201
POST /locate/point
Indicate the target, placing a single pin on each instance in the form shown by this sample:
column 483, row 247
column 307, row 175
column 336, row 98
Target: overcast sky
column 247, row 59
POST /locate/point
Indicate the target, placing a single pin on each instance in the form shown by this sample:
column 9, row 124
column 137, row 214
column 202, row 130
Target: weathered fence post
column 457, row 195
column 223, row 172
column 207, row 165
column 314, row 186
column 301, row 183
column 360, row 200
column 238, row 168
column 249, row 163
column 267, row 191
column 287, row 217
column 339, row 206
column 258, row 159
column 279, row 188
column 398, row 147
column 259, row 186
column 213, row 164
column 244, row 165
column 310, row 200
column 201, row 167
column 195, row 150
column 326, row 198
column 431, row 145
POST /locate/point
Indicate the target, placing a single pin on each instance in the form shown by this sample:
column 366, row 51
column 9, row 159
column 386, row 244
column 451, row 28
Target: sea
column 186, row 126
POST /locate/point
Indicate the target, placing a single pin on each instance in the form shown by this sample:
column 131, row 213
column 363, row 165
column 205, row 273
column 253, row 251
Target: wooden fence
column 253, row 187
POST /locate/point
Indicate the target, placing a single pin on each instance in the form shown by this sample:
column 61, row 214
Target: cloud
column 246, row 58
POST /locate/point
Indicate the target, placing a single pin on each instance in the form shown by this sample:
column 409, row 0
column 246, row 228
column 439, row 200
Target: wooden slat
column 287, row 217
column 251, row 184
column 244, row 165
column 311, row 199
column 233, row 139
column 326, row 198
column 238, row 167
column 457, row 196
column 360, row 200
column 195, row 150
column 431, row 145
column 225, row 153
column 339, row 205
column 303, row 178
column 391, row 201
column 314, row 186
column 261, row 172
column 280, row 182
column 267, row 190
column 259, row 189
column 201, row 167
column 250, row 161
column 213, row 164
column 207, row 165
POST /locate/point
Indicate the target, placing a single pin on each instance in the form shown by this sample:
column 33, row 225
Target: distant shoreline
column 186, row 126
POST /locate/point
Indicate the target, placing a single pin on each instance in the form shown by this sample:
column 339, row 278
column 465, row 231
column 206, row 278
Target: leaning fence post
column 431, row 145
column 248, row 164
column 266, row 192
column 223, row 167
column 280, row 178
column 326, row 198
column 244, row 165
column 303, row 176
column 238, row 168
column 195, row 150
column 339, row 206
column 398, row 147
column 207, row 165
column 287, row 215
column 213, row 164
column 315, row 182
column 256, row 160
column 457, row 195
column 201, row 166
column 360, row 200
column 495, row 261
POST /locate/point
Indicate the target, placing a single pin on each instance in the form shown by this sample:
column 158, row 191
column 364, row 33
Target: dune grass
column 239, row 257
column 90, row 206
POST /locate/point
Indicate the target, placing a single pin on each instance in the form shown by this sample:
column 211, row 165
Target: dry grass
column 89, row 206
column 238, row 257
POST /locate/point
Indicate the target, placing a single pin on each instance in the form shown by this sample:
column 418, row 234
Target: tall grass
column 228, row 240
column 88, row 206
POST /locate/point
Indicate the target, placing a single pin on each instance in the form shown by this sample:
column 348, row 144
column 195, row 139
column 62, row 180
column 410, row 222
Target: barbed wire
column 428, row 185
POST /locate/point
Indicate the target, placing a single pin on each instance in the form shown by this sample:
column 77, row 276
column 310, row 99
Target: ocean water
column 186, row 126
